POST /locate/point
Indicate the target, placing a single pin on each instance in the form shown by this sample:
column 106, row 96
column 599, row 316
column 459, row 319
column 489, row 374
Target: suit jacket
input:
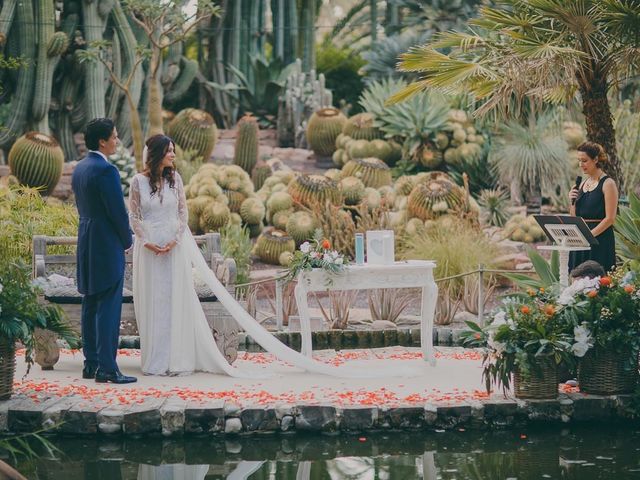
column 103, row 233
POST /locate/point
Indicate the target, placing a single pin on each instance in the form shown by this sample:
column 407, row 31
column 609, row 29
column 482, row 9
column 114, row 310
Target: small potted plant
column 21, row 314
column 526, row 339
column 604, row 312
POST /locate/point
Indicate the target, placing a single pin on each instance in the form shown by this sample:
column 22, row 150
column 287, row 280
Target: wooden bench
column 223, row 325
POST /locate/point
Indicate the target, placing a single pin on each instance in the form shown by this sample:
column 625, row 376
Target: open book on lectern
column 566, row 230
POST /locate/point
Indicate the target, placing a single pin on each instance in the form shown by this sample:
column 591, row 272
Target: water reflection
column 596, row 453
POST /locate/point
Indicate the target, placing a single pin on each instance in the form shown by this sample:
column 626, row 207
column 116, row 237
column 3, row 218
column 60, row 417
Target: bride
column 175, row 337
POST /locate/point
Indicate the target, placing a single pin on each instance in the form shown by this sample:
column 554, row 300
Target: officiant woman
column 596, row 201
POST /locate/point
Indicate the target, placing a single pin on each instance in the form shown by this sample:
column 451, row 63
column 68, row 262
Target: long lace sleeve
column 135, row 211
column 183, row 212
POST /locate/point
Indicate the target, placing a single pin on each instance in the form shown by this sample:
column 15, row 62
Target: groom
column 103, row 237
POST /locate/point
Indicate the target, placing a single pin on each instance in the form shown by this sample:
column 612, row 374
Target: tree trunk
column 136, row 132
column 597, row 113
column 155, row 95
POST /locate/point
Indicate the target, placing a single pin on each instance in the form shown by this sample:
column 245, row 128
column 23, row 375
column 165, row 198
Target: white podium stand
column 569, row 234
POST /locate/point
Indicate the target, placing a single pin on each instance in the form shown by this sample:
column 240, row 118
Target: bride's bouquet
column 316, row 253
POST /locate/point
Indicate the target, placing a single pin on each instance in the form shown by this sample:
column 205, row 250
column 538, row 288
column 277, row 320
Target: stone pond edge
column 175, row 417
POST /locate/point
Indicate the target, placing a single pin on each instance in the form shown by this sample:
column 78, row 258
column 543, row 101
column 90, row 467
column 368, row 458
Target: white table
column 408, row 274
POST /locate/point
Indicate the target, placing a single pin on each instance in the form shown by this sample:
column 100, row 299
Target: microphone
column 578, row 182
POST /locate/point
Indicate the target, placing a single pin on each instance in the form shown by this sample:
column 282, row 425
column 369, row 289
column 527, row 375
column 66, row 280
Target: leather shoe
column 113, row 377
column 89, row 371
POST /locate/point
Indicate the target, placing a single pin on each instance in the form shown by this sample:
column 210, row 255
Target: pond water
column 573, row 453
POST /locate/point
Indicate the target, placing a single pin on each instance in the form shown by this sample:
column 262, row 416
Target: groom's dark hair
column 98, row 129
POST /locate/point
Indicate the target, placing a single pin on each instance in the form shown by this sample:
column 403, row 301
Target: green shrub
column 340, row 67
column 236, row 244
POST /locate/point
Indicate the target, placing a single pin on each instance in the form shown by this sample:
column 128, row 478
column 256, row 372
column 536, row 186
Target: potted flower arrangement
column 313, row 255
column 604, row 313
column 526, row 339
column 21, row 314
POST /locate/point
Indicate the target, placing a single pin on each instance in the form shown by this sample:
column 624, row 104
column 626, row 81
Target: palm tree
column 540, row 51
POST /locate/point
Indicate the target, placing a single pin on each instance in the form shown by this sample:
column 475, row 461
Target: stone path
column 449, row 395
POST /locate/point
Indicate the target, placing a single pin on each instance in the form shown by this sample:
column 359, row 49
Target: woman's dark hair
column 157, row 148
column 98, row 129
column 594, row 151
column 588, row 269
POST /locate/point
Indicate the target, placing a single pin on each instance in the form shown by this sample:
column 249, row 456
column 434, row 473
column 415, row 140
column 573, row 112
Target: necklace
column 591, row 183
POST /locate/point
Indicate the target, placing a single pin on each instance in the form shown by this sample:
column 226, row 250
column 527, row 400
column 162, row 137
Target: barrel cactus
column 352, row 189
column 322, row 130
column 279, row 201
column 259, row 174
column 523, row 229
column 36, row 160
column 58, row 44
column 361, row 127
column 300, row 227
column 311, row 190
column 373, row 172
column 246, row 150
column 195, row 130
column 433, row 197
column 215, row 216
column 252, row 210
column 271, row 244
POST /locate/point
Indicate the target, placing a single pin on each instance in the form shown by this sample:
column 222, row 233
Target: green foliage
column 548, row 273
column 627, row 125
column 25, row 213
column 236, row 244
column 494, row 203
column 21, row 312
column 383, row 56
column 627, row 229
column 414, row 122
column 341, row 67
column 470, row 249
column 187, row 164
column 533, row 156
column 316, row 254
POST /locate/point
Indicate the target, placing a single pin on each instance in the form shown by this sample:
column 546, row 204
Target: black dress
column 590, row 206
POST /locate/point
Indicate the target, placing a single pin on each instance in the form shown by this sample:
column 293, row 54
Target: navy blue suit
column 103, row 236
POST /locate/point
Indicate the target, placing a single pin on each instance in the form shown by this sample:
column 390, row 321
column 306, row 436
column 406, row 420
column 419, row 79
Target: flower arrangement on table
column 526, row 336
column 605, row 314
column 313, row 254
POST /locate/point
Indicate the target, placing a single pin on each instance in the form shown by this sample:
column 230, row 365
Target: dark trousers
column 101, row 327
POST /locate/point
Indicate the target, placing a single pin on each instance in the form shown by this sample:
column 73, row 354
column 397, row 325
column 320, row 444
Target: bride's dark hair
column 157, row 148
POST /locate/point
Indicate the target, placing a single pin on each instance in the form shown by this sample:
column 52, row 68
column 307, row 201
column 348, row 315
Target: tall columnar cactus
column 23, row 94
column 194, row 130
column 313, row 190
column 373, row 172
column 36, row 160
column 322, row 130
column 246, row 151
column 95, row 87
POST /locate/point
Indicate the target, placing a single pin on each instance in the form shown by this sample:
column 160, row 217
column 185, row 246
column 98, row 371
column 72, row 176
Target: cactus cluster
column 322, row 130
column 126, row 165
column 460, row 143
column 219, row 194
column 434, row 195
column 194, row 130
column 36, row 160
column 348, row 148
column 522, row 228
column 245, row 154
column 272, row 244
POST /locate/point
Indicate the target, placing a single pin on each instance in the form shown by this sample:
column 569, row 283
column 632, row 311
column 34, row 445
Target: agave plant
column 414, row 122
column 530, row 158
column 383, row 56
column 494, row 203
column 627, row 228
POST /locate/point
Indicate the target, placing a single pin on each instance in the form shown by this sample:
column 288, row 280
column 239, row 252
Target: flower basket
column 7, row 367
column 540, row 384
column 602, row 372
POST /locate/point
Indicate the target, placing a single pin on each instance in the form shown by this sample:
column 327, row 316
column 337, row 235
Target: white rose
column 581, row 333
column 305, row 247
column 339, row 261
column 579, row 349
column 499, row 318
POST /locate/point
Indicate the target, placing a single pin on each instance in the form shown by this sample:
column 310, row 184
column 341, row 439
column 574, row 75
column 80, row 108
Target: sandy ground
column 456, row 378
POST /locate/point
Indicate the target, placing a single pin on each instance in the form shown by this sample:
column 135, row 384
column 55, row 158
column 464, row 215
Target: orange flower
column 325, row 244
column 549, row 310
column 628, row 288
column 592, row 293
column 531, row 292
column 524, row 309
column 605, row 281
column 477, row 336
column 541, row 289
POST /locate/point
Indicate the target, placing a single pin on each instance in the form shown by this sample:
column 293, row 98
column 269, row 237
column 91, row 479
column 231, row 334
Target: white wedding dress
column 175, row 337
